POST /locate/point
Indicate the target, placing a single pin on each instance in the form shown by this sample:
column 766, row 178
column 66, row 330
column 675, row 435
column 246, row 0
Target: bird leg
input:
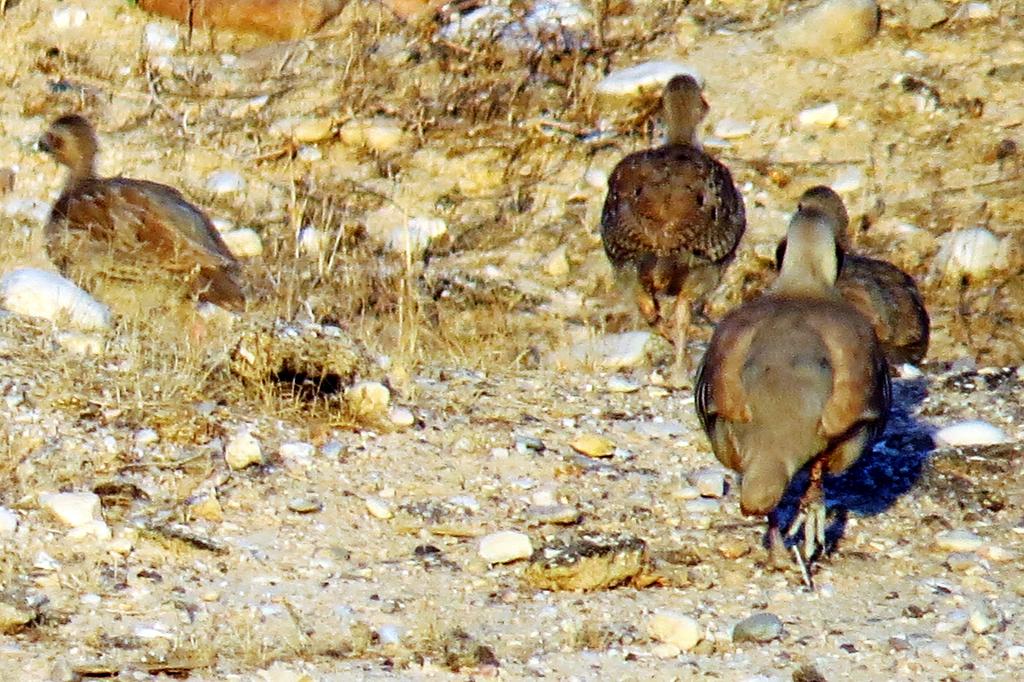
column 776, row 544
column 812, row 518
column 681, row 369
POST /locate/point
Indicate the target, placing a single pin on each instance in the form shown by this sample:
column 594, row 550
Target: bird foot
column 812, row 519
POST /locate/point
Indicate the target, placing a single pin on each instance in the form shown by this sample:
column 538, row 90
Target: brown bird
column 794, row 378
column 134, row 230
column 673, row 216
column 882, row 292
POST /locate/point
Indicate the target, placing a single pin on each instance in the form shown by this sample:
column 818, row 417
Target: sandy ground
column 352, row 552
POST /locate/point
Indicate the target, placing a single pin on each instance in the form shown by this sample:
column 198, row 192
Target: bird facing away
column 882, row 292
column 673, row 216
column 794, row 378
column 135, row 230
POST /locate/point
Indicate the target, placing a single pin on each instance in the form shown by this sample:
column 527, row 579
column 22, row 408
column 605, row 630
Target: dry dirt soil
column 352, row 551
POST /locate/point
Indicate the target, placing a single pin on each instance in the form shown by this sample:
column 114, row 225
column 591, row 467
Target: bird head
column 72, row 142
column 684, row 108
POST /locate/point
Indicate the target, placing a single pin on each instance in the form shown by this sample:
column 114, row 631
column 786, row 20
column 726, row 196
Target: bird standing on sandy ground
column 673, row 218
column 134, row 230
column 792, row 378
column 882, row 292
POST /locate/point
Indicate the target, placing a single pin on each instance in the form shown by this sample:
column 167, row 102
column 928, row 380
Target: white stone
column 702, row 505
column 146, row 437
column 821, row 116
column 69, row 16
column 974, row 11
column 297, row 454
column 96, row 529
column 849, row 179
column 971, row 432
column 281, row 672
column 984, row 619
column 249, row 106
column 658, row 428
column 72, row 509
column 620, row 384
column 80, row 342
column 505, row 546
column 416, row 235
column 611, row 352
column 47, row 295
column 729, row 129
column 242, row 450
column 675, row 628
column 367, row 398
column 160, row 38
column 556, row 263
column 998, row 554
column 380, row 134
column 972, row 252
column 303, row 128
column 378, row 508
column 652, row 75
column 244, row 242
column 313, row 242
column 309, row 153
column 959, row 541
column 596, row 178
column 710, row 482
column 33, row 209
column 389, row 634
column 401, row 416
column 8, row 522
column 831, row 27
column 225, row 182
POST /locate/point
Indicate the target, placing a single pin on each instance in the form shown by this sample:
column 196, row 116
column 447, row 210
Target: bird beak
column 44, row 145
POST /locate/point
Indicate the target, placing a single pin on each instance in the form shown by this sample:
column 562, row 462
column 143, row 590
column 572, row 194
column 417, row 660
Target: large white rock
column 832, row 27
column 971, row 432
column 47, row 295
column 612, row 351
column 967, row 253
column 72, row 509
column 243, row 450
column 505, row 546
column 652, row 75
column 244, row 242
column 675, row 628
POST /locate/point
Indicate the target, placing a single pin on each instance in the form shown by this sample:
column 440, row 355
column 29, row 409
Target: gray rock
column 760, row 627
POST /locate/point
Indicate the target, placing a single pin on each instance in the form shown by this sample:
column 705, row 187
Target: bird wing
column 674, row 200
column 860, row 392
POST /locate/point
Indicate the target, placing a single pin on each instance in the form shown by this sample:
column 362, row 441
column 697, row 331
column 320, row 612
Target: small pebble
column 962, row 561
column 146, row 437
column 611, row 352
column 832, row 27
column 525, row 444
column 974, row 11
column 729, row 129
column 72, row 509
column 303, row 129
column 849, row 179
column 225, row 182
column 675, row 628
column 593, row 445
column 312, row 241
column 734, row 549
column 620, row 384
column 242, row 450
column 306, row 504
column 389, row 634
column 984, row 619
column 555, row 513
column 556, row 263
column 967, row 433
column 401, row 416
column 378, row 508
column 379, row 134
column 80, row 343
column 244, row 242
column 822, row 116
column 702, row 505
column 760, row 627
column 160, row 38
column 68, row 17
column 998, row 554
column 416, row 235
column 297, row 454
column 959, row 541
column 710, row 482
column 923, row 14
column 505, row 546
column 8, row 522
column 13, row 618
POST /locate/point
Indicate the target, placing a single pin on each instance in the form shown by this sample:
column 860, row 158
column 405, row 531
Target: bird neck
column 681, row 121
column 82, row 170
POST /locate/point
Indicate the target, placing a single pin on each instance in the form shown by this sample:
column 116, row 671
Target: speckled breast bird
column 794, row 378
column 673, row 216
column 132, row 230
column 882, row 292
